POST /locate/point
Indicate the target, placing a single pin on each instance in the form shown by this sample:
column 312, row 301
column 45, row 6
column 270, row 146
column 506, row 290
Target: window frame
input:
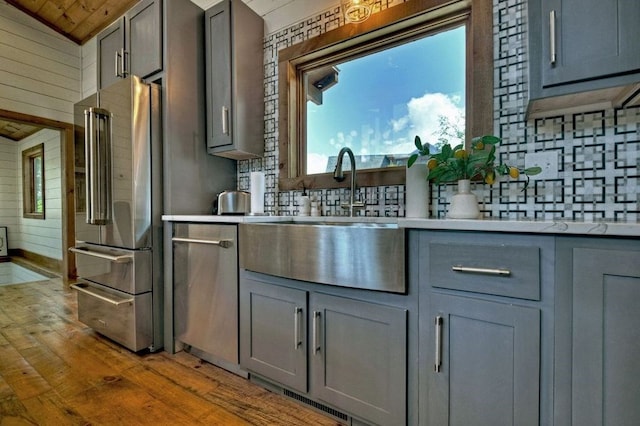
column 29, row 198
column 405, row 21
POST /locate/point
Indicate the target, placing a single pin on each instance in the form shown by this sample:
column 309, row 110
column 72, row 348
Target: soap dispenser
column 305, row 203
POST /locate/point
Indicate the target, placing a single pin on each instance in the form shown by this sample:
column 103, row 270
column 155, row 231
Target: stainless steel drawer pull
column 221, row 243
column 438, row 358
column 84, row 289
column 488, row 271
column 316, row 330
column 552, row 37
column 125, row 258
column 297, row 342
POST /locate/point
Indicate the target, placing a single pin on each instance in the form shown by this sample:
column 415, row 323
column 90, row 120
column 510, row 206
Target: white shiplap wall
column 43, row 237
column 9, row 188
column 40, row 70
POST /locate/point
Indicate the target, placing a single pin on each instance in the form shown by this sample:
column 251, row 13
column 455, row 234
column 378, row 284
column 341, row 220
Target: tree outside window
column 33, row 182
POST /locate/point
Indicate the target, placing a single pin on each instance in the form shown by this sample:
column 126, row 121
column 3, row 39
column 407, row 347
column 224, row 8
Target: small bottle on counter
column 315, row 208
column 305, row 205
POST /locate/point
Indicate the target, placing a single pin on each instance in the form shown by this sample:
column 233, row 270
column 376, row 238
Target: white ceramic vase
column 464, row 203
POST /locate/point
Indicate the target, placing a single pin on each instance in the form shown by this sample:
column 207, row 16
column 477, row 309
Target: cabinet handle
column 117, row 62
column 316, row 330
column 488, row 271
column 225, row 120
column 438, row 358
column 121, row 63
column 552, row 37
column 297, row 342
column 125, row 63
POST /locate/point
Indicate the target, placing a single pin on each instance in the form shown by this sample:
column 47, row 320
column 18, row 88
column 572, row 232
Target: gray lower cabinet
column 349, row 354
column 486, row 328
column 273, row 324
column 131, row 45
column 598, row 332
column 484, row 362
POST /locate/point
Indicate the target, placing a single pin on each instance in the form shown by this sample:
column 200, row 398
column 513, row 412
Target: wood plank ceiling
column 16, row 131
column 78, row 20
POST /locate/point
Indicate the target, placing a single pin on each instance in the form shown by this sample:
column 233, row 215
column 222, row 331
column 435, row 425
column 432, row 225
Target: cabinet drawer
column 122, row 317
column 498, row 269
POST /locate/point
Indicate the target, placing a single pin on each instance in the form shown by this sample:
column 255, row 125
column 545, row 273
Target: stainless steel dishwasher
column 205, row 293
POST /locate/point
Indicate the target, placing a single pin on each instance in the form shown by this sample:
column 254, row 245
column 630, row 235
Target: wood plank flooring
column 56, row 371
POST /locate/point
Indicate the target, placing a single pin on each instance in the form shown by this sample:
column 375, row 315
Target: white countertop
column 564, row 227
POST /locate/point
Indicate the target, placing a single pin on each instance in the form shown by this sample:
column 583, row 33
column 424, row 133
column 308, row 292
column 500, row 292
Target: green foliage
column 479, row 162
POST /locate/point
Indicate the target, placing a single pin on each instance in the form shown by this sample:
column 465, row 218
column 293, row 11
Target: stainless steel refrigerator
column 119, row 246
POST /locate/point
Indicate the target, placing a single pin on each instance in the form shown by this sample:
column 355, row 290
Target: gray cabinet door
column 273, row 332
column 234, row 54
column 488, row 357
column 598, row 345
column 218, row 75
column 582, row 45
column 144, row 38
column 110, row 42
column 358, row 357
column 593, row 38
column 131, row 45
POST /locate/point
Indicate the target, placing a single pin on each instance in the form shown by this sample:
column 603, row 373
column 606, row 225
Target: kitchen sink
column 366, row 255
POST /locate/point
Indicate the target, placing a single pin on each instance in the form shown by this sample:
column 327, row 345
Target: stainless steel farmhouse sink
column 349, row 254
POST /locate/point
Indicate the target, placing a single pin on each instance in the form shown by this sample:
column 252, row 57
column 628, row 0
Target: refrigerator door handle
column 126, row 258
column 98, row 165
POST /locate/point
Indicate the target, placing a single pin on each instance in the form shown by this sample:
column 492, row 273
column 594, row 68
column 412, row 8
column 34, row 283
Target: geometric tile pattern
column 599, row 151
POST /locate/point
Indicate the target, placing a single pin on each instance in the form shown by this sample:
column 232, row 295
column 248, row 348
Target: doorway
column 67, row 177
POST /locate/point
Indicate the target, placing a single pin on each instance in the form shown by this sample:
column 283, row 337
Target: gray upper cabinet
column 131, row 45
column 110, row 48
column 598, row 332
column 234, row 80
column 583, row 46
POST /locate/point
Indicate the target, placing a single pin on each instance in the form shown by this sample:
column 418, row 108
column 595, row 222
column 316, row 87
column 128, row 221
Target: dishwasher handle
column 221, row 243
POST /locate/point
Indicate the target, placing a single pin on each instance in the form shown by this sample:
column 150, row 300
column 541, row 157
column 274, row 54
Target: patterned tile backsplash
column 598, row 151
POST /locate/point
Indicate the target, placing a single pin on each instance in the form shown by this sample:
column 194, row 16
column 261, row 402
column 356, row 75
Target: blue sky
column 383, row 100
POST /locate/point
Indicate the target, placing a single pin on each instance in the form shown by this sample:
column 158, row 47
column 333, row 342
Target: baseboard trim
column 45, row 262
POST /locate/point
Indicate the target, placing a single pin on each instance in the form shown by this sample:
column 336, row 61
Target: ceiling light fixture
column 356, row 10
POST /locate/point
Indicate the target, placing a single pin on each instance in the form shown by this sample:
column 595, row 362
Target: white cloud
column 423, row 119
column 316, row 163
column 397, row 136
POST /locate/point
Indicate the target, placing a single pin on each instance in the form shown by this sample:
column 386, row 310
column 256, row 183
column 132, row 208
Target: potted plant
column 461, row 165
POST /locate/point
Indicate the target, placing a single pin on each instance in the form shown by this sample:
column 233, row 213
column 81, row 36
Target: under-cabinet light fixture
column 356, row 10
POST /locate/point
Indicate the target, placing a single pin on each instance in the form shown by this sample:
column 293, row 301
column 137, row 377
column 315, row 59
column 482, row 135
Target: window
column 364, row 86
column 33, row 182
column 416, row 87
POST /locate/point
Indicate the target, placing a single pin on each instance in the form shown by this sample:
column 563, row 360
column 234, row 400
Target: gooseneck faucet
column 338, row 175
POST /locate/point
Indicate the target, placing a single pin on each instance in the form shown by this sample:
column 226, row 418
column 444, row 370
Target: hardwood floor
column 56, row 371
